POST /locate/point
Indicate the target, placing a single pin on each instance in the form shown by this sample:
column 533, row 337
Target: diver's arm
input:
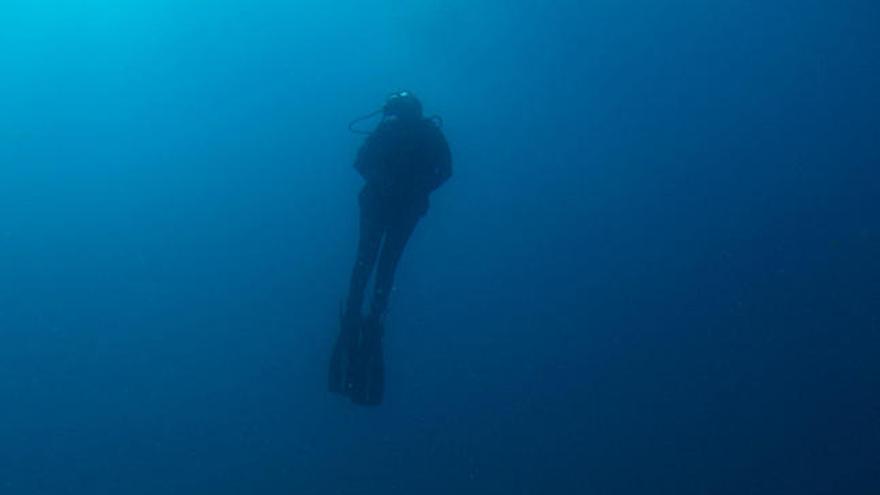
column 365, row 162
column 372, row 153
column 367, row 159
column 442, row 170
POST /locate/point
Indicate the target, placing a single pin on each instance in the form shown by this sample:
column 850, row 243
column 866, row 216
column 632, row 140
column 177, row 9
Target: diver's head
column 403, row 106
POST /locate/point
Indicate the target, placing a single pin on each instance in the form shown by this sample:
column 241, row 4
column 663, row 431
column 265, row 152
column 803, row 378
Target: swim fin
column 344, row 350
column 367, row 369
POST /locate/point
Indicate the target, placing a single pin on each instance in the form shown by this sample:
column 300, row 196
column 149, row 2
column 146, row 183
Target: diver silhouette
column 403, row 160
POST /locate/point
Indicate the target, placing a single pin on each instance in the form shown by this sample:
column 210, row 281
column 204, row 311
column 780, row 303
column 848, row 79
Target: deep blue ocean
column 656, row 269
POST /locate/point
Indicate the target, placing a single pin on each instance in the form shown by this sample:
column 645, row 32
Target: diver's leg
column 347, row 363
column 366, row 383
column 395, row 241
column 371, row 231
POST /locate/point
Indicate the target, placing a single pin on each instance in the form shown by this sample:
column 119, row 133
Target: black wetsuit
column 402, row 163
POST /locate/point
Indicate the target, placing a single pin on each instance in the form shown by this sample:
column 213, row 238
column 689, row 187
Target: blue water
column 655, row 271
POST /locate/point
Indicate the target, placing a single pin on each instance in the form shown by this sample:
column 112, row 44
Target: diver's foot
column 344, row 355
column 367, row 372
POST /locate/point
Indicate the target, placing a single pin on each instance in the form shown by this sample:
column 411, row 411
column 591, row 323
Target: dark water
column 655, row 271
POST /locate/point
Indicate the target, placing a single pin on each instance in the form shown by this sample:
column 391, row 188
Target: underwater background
column 655, row 270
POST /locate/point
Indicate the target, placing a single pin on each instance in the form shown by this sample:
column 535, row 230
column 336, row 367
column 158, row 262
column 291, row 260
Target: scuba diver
column 403, row 160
